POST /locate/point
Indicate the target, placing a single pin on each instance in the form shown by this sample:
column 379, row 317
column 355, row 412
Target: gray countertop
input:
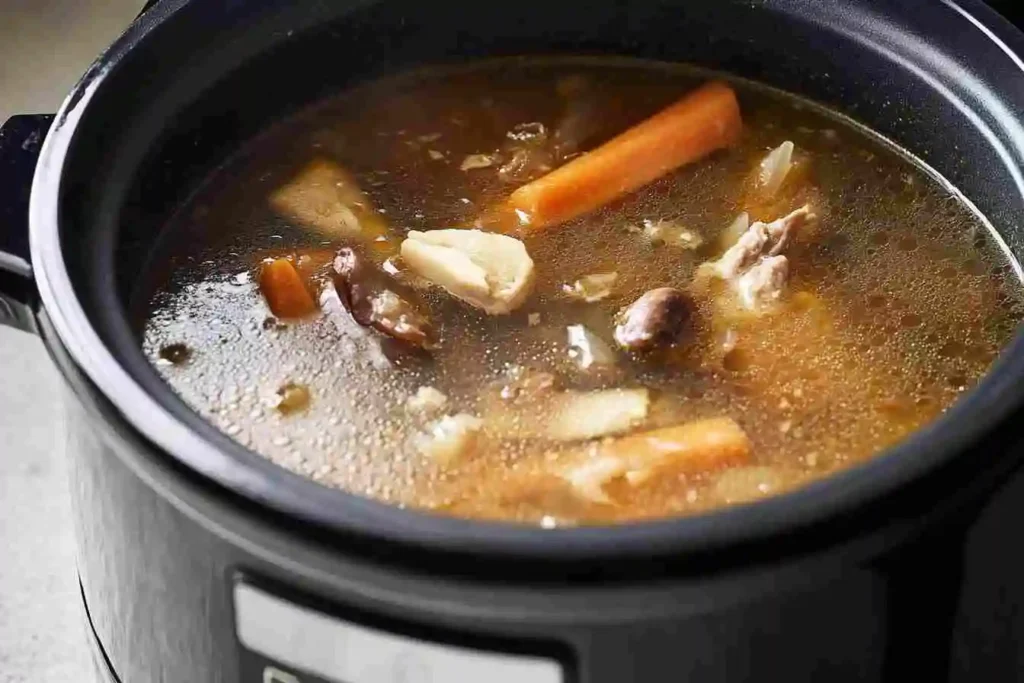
column 44, row 46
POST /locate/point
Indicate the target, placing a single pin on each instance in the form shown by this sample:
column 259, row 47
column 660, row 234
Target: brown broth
column 898, row 302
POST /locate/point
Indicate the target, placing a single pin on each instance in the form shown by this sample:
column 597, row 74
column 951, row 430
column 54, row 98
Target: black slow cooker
column 201, row 561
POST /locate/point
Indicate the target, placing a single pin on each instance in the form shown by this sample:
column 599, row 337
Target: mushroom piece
column 489, row 271
column 375, row 300
column 659, row 318
column 355, row 342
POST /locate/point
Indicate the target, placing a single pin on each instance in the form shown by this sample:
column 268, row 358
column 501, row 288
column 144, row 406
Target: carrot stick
column 701, row 446
column 703, row 121
column 284, row 290
column 692, row 447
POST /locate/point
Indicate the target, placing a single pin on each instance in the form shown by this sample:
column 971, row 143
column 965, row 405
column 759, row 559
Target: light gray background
column 44, row 46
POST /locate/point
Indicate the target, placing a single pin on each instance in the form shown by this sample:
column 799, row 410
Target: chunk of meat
column 701, row 446
column 755, row 266
column 661, row 317
column 763, row 284
column 744, row 253
column 376, row 300
column 762, row 239
column 486, row 270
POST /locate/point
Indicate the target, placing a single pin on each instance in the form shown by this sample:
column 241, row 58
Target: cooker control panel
column 284, row 642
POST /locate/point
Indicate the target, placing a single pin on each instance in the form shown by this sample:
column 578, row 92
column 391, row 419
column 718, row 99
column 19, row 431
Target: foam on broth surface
column 898, row 302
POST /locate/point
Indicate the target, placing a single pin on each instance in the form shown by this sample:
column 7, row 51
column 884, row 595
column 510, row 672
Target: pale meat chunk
column 761, row 239
column 764, row 283
column 486, row 270
column 744, row 253
column 755, row 266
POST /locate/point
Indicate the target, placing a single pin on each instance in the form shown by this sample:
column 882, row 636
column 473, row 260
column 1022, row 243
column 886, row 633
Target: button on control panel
column 284, row 642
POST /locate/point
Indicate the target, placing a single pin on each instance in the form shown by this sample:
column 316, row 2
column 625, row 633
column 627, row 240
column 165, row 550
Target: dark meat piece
column 376, row 300
column 659, row 318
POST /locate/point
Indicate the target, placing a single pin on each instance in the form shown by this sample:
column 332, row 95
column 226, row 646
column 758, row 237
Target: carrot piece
column 700, row 123
column 701, row 446
column 693, row 447
column 284, row 290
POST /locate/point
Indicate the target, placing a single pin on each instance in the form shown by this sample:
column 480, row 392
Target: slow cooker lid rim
column 241, row 471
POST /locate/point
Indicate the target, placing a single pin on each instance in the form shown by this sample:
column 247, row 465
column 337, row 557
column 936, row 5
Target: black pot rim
column 242, row 472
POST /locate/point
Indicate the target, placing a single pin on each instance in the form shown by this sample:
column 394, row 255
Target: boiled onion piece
column 776, row 167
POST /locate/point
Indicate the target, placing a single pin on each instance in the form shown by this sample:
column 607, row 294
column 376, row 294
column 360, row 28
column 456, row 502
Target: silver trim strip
column 344, row 652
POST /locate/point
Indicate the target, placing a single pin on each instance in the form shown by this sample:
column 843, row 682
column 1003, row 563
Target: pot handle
column 20, row 141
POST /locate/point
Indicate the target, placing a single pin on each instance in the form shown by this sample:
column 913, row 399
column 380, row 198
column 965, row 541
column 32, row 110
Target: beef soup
column 571, row 291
